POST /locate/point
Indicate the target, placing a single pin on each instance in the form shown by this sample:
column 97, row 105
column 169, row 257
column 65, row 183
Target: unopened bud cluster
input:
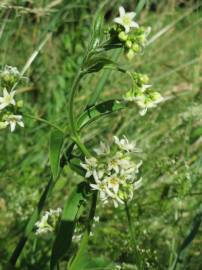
column 48, row 221
column 8, row 105
column 114, row 173
column 142, row 93
column 127, row 32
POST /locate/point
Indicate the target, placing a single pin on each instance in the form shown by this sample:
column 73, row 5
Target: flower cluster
column 129, row 33
column 113, row 172
column 142, row 93
column 8, row 106
column 48, row 221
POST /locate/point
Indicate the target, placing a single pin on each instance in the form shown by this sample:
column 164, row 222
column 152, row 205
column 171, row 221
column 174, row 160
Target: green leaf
column 97, row 29
column 56, row 142
column 100, row 110
column 74, row 164
column 65, row 232
column 105, row 76
column 80, row 261
column 96, row 63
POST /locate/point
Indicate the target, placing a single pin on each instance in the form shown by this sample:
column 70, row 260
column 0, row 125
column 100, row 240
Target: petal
column 93, row 186
column 118, row 20
column 12, row 93
column 122, row 11
column 143, row 111
column 83, row 165
column 131, row 14
column 127, row 28
column 116, row 188
column 13, row 102
column 12, row 125
column 2, row 106
column 134, row 24
column 88, row 174
column 21, row 124
column 5, row 92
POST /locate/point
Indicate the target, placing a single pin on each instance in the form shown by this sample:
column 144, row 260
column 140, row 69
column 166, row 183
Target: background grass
column 169, row 202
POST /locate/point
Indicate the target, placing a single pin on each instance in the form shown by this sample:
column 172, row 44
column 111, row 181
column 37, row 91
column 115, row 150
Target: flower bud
column 3, row 125
column 20, row 104
column 129, row 44
column 144, row 78
column 130, row 54
column 122, row 36
column 135, row 48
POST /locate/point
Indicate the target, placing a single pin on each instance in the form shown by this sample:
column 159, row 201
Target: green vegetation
column 46, row 40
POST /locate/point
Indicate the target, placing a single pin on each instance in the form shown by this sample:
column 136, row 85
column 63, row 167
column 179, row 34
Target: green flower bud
column 135, row 48
column 3, row 125
column 130, row 54
column 129, row 44
column 144, row 78
column 155, row 96
column 122, row 36
column 20, row 104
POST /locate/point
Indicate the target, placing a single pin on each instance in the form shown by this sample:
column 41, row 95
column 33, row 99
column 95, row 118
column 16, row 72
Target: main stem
column 72, row 122
column 133, row 240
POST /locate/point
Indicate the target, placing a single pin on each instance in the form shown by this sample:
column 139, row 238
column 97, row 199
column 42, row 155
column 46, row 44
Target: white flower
column 145, row 102
column 116, row 200
column 101, row 186
column 145, row 87
column 13, row 120
column 96, row 219
column 114, row 162
column 125, row 145
column 42, row 226
column 7, row 99
column 56, row 212
column 48, row 221
column 126, row 19
column 90, row 166
column 103, row 149
column 113, row 183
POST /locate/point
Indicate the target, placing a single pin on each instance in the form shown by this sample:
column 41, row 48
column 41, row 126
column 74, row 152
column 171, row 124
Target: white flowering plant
column 9, row 76
column 110, row 171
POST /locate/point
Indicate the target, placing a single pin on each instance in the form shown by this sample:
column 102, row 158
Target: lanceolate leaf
column 100, row 110
column 67, row 224
column 56, row 142
column 81, row 260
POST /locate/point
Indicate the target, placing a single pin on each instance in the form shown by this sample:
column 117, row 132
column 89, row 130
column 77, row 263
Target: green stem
column 72, row 122
column 44, row 121
column 73, row 90
column 133, row 240
column 92, row 211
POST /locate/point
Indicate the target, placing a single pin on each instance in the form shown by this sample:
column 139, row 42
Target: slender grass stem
column 44, row 121
column 138, row 259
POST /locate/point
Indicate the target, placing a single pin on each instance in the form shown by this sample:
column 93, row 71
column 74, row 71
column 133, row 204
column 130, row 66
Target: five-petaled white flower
column 42, row 226
column 113, row 183
column 125, row 145
column 90, row 166
column 13, row 120
column 48, row 221
column 7, row 99
column 126, row 19
column 102, row 150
